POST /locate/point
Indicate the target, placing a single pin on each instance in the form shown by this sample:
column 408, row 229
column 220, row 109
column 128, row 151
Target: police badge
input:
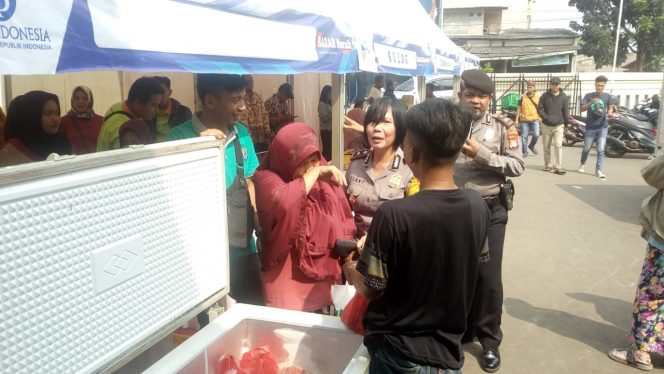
column 395, row 180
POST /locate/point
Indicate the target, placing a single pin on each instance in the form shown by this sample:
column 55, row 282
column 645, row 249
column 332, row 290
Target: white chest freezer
column 104, row 255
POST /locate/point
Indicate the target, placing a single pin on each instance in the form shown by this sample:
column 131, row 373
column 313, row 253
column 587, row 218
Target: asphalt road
column 573, row 253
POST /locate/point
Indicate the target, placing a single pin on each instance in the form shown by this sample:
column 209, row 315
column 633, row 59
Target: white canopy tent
column 231, row 36
column 227, row 36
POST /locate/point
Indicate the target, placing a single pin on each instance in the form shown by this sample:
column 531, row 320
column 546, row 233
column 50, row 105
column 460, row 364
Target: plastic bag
column 259, row 360
column 353, row 315
column 341, row 295
column 227, row 365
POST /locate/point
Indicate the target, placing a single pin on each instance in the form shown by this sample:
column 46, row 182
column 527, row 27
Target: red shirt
column 82, row 133
column 14, row 152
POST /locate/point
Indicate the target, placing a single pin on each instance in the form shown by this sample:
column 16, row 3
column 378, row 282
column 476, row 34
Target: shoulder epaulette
column 362, row 153
column 503, row 119
column 396, row 162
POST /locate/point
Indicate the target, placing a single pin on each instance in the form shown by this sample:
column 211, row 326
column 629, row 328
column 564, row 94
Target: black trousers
column 326, row 137
column 487, row 308
column 247, row 280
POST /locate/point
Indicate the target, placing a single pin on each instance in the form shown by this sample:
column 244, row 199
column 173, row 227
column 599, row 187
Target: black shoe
column 490, row 360
column 533, row 150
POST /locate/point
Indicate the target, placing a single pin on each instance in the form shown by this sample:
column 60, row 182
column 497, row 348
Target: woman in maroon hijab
column 302, row 209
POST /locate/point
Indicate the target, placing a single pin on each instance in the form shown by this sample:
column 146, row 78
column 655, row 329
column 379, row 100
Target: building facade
column 499, row 32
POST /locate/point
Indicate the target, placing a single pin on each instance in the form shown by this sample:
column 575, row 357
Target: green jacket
column 109, row 135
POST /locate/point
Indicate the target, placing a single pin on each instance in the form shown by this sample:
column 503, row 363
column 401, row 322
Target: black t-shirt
column 423, row 253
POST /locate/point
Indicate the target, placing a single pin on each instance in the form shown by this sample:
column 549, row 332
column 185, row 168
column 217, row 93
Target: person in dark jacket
column 553, row 108
column 171, row 112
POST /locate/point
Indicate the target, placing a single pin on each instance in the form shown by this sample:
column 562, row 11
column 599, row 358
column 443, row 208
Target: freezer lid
column 103, row 252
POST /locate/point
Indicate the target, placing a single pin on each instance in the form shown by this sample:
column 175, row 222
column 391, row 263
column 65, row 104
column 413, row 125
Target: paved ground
column 572, row 258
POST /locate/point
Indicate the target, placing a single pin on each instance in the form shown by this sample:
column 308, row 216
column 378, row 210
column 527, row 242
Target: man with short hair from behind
column 416, row 318
column 599, row 106
column 430, row 88
column 171, row 112
column 389, row 89
column 142, row 103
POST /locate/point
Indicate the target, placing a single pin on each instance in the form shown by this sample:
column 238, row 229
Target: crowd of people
column 147, row 116
column 35, row 128
column 424, row 200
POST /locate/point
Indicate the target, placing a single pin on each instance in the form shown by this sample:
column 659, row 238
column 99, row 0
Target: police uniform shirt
column 367, row 192
column 499, row 156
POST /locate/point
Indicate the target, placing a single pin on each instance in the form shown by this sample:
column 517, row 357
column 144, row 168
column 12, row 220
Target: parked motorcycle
column 625, row 134
column 645, row 118
column 649, row 109
column 575, row 131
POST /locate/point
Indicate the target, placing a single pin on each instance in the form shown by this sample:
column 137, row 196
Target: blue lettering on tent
column 36, row 34
column 7, row 9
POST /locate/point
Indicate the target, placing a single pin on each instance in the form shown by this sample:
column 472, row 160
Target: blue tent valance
column 230, row 36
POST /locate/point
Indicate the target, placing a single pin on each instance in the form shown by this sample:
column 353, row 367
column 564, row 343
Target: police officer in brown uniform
column 378, row 174
column 491, row 154
column 367, row 191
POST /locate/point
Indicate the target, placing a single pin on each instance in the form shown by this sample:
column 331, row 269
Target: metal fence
column 516, row 83
column 628, row 89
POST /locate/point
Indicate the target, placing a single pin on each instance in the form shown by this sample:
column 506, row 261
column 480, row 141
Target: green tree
column 641, row 31
column 487, row 68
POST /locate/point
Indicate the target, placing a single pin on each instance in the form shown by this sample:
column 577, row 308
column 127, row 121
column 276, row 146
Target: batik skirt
column 647, row 330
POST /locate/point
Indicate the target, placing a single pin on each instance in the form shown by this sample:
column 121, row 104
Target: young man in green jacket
column 142, row 103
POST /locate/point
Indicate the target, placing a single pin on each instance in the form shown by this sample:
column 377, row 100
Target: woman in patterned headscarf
column 81, row 125
column 302, row 210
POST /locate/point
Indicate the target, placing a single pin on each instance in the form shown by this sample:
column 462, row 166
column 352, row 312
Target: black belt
column 492, row 201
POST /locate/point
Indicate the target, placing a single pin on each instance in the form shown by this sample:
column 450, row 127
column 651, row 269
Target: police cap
column 478, row 80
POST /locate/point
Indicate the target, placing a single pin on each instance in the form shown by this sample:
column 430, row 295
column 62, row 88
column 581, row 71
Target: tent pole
column 456, row 82
column 338, row 111
column 421, row 89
